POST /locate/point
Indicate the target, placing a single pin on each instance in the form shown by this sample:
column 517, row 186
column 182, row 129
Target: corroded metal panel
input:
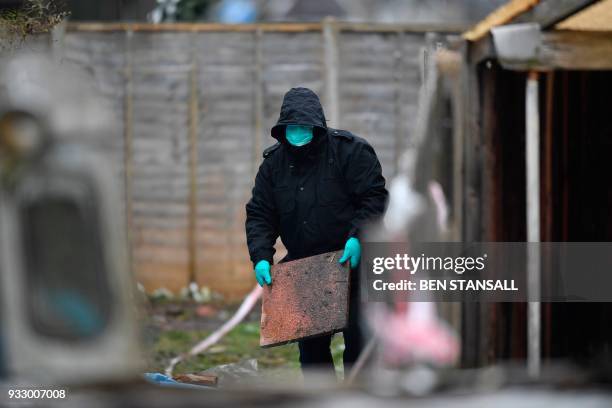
column 308, row 297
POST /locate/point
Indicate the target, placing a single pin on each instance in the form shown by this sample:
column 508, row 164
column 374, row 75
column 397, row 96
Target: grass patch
column 240, row 344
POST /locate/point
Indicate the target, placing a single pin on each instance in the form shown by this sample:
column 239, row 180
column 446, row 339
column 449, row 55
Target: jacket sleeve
column 367, row 187
column 261, row 218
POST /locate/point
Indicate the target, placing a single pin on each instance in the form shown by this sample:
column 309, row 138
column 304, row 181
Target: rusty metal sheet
column 308, row 297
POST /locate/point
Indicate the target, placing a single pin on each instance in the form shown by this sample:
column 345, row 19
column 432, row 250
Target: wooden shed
column 531, row 145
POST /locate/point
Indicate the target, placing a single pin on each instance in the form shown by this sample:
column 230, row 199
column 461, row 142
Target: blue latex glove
column 352, row 251
column 262, row 273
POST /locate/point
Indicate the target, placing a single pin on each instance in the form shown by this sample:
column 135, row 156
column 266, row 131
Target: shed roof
column 500, row 16
column 547, row 13
column 597, row 17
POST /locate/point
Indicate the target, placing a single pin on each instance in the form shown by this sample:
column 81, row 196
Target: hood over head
column 301, row 106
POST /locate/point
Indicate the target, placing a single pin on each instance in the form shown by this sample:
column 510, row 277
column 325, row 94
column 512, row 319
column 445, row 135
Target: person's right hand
column 262, row 273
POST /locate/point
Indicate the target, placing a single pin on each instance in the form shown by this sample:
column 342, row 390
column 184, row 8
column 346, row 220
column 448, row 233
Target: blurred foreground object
column 414, row 341
column 65, row 283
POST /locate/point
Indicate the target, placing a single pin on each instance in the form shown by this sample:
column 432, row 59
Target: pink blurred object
column 437, row 196
column 413, row 333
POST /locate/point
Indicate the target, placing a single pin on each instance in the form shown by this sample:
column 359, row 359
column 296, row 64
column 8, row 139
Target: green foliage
column 33, row 17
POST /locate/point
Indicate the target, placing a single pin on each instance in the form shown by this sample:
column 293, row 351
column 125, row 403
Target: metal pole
column 532, row 121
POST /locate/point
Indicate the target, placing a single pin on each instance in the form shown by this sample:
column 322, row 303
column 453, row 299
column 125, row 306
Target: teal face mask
column 298, row 135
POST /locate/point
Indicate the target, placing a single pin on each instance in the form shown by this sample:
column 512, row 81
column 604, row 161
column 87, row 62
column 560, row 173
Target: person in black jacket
column 315, row 189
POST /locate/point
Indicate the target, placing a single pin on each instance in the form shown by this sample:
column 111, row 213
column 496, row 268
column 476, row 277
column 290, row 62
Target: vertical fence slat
column 193, row 162
column 400, row 129
column 259, row 101
column 330, row 46
column 128, row 135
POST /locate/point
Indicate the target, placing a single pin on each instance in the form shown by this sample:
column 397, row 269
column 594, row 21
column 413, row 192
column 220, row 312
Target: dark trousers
column 315, row 353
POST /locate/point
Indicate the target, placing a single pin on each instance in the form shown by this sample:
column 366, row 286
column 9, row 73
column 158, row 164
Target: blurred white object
column 165, row 11
column 66, row 288
column 61, row 97
column 517, row 42
column 404, row 205
column 419, row 380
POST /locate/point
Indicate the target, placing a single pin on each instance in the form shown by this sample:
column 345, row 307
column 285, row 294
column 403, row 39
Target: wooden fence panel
column 161, row 67
column 225, row 155
column 102, row 57
column 194, row 110
column 379, row 84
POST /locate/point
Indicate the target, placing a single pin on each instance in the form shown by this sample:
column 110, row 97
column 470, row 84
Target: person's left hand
column 352, row 251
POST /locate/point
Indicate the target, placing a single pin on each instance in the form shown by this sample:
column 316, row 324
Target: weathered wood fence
column 194, row 105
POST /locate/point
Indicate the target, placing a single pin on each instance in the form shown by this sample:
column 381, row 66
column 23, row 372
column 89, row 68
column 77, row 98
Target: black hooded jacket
column 316, row 196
